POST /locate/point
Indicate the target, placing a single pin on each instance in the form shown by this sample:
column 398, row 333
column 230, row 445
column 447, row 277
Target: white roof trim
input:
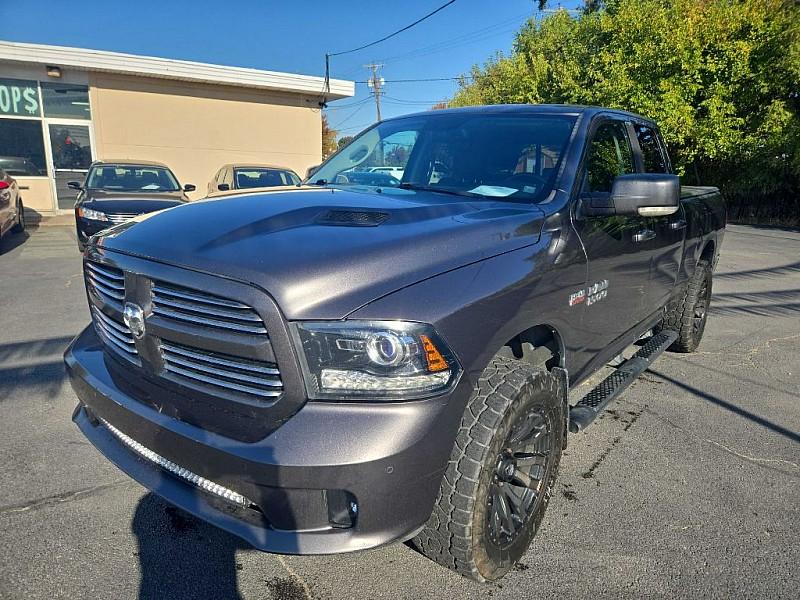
column 165, row 68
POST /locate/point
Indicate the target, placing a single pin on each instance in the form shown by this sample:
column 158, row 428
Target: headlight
column 374, row 359
column 92, row 215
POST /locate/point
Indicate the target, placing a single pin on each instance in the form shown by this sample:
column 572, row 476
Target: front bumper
column 336, row 477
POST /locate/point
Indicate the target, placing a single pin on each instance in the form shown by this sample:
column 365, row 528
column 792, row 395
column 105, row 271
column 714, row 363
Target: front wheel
column 501, row 473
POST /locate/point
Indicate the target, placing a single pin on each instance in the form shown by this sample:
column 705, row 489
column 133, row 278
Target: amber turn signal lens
column 433, row 357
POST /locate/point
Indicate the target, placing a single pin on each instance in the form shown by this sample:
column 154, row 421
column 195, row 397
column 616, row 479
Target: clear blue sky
column 292, row 36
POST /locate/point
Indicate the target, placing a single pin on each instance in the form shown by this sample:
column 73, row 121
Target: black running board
column 592, row 404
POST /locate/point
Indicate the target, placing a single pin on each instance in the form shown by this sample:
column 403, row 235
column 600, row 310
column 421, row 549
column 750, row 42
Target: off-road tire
column 457, row 533
column 682, row 314
column 19, row 226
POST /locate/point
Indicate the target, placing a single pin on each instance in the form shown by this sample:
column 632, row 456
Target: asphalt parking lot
column 688, row 487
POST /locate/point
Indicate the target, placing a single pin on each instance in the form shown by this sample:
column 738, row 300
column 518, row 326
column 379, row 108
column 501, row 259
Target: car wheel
column 501, row 473
column 689, row 314
column 19, row 226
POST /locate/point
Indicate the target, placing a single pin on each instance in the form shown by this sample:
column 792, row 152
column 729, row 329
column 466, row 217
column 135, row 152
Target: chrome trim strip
column 118, row 326
column 219, row 312
column 209, row 322
column 106, row 271
column 218, row 360
column 186, row 295
column 104, row 289
column 169, row 359
column 226, row 385
column 129, row 344
column 105, row 280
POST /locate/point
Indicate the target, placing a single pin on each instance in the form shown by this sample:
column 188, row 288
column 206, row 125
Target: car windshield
column 511, row 156
column 258, row 177
column 132, row 178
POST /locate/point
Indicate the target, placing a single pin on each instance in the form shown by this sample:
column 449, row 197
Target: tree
column 439, row 106
column 328, row 138
column 719, row 76
column 344, row 140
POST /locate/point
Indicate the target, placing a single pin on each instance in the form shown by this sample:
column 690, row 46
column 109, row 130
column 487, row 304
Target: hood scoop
column 352, row 218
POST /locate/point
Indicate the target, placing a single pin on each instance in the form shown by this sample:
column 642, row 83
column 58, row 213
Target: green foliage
column 720, row 77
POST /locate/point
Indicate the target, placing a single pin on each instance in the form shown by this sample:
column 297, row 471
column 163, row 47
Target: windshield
column 255, row 178
column 132, row 178
column 469, row 154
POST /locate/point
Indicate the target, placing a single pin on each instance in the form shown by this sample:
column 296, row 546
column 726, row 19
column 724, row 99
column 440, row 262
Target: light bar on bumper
column 186, row 474
column 376, row 360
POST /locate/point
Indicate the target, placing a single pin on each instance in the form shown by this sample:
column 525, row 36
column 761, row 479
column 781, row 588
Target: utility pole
column 376, row 83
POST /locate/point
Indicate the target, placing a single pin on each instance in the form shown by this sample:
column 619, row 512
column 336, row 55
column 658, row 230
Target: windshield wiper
column 430, row 188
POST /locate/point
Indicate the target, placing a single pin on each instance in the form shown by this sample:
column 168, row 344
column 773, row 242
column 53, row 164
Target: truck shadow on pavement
column 779, row 429
column 182, row 557
column 33, row 366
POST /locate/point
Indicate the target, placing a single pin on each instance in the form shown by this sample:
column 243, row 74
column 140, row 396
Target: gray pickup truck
column 342, row 365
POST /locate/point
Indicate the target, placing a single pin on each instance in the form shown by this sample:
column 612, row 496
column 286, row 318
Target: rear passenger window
column 652, row 155
column 610, row 155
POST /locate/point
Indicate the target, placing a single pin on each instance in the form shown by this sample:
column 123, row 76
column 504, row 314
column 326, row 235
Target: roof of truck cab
column 545, row 109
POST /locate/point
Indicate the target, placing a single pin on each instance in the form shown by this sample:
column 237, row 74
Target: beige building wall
column 195, row 128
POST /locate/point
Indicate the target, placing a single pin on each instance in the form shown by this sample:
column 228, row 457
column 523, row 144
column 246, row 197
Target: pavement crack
column 296, row 577
column 758, row 461
column 62, row 497
column 753, row 459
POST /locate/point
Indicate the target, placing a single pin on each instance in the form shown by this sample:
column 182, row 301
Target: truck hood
column 323, row 253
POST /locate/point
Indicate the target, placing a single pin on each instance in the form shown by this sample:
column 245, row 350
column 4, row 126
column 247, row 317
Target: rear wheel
column 19, row 226
column 688, row 315
column 499, row 480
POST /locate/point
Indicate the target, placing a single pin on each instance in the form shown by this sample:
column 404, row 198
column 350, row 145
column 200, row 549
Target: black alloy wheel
column 519, row 477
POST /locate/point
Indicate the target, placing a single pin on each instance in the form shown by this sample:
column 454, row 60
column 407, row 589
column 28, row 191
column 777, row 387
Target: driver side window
column 610, row 155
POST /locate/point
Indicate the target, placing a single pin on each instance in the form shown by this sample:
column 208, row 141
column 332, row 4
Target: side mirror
column 637, row 194
column 74, row 185
column 189, row 187
column 223, row 187
column 311, row 170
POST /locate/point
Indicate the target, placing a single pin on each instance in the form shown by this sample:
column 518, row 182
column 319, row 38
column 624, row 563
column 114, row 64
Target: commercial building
column 61, row 108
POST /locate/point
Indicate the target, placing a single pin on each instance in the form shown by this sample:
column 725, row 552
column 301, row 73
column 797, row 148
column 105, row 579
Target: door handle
column 645, row 235
column 677, row 225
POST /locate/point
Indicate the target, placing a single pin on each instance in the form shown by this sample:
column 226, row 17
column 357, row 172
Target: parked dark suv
column 350, row 364
column 115, row 191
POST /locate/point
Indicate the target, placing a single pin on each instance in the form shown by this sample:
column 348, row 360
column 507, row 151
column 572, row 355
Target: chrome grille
column 199, row 308
column 107, row 282
column 118, row 218
column 115, row 334
column 205, row 368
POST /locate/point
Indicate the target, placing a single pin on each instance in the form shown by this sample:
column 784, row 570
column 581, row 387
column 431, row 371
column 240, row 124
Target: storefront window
column 71, row 146
column 22, row 147
column 19, row 97
column 65, row 101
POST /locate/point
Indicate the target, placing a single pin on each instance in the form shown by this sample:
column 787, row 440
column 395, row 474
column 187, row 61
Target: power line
column 392, row 100
column 458, row 78
column 348, row 105
column 459, row 40
column 391, row 35
column 327, row 83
